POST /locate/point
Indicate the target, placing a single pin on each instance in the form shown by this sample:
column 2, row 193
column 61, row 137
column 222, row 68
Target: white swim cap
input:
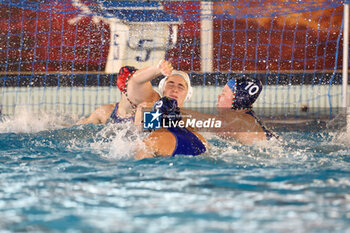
column 185, row 77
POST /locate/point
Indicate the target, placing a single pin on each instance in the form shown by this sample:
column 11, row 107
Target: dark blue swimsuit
column 268, row 133
column 187, row 143
column 117, row 119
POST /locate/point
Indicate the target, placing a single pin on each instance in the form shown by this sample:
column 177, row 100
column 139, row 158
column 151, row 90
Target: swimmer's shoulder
column 99, row 116
column 162, row 142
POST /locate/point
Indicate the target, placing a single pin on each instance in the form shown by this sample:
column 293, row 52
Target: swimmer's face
column 176, row 88
column 225, row 98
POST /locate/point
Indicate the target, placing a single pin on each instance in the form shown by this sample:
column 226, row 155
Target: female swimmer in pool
column 173, row 139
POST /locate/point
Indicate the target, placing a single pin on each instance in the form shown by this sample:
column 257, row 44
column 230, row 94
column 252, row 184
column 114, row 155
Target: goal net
column 61, row 55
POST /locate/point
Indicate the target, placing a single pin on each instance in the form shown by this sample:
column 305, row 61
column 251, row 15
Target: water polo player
column 119, row 112
column 235, row 107
column 173, row 139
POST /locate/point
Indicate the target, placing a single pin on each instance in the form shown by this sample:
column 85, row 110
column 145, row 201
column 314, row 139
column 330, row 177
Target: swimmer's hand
column 165, row 67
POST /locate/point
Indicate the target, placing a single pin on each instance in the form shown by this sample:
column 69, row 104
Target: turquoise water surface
column 84, row 179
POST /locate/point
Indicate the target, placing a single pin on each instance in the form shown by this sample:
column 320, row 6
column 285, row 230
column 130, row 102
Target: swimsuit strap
column 116, row 118
column 268, row 133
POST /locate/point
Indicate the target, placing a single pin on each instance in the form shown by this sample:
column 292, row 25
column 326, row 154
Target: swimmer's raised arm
column 139, row 87
column 147, row 74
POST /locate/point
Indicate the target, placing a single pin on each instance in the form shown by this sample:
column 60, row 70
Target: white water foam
column 26, row 121
column 229, row 150
column 124, row 140
column 344, row 136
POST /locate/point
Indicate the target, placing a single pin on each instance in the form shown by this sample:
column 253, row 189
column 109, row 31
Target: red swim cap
column 125, row 73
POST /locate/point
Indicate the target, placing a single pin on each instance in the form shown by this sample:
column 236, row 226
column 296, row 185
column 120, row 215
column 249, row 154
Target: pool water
column 84, row 179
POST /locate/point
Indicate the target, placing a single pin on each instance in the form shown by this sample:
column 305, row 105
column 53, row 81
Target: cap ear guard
column 185, row 76
column 161, row 86
column 189, row 93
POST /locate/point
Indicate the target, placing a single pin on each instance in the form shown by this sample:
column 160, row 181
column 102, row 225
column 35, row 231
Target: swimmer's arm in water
column 157, row 144
column 243, row 129
column 246, row 138
column 99, row 116
column 237, row 126
column 139, row 86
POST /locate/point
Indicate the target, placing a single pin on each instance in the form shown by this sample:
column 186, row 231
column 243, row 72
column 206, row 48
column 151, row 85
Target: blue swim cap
column 168, row 108
column 245, row 92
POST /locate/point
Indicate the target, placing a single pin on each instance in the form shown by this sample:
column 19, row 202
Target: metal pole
column 345, row 55
column 346, row 63
column 206, row 36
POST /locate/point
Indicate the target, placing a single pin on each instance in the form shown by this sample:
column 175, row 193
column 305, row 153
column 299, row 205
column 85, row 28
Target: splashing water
column 83, row 178
column 26, row 121
column 124, row 140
